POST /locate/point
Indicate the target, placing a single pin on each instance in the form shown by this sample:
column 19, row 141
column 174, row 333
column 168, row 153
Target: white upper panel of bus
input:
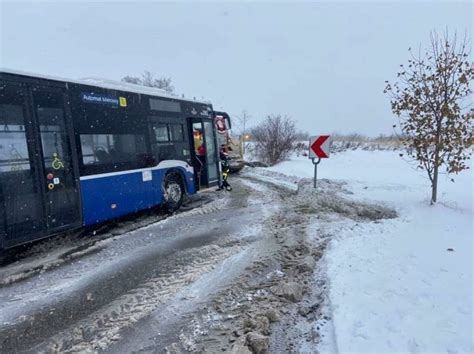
column 105, row 83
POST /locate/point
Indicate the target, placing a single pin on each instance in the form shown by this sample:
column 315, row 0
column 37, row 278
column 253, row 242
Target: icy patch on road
column 103, row 327
column 198, row 293
column 25, row 269
column 259, row 187
column 54, row 252
column 275, row 179
column 270, row 290
column 215, row 205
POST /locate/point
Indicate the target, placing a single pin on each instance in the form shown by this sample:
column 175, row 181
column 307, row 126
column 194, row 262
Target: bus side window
column 13, row 144
column 176, row 132
column 161, row 133
column 114, row 149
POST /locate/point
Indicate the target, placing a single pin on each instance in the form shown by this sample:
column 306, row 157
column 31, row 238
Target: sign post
column 315, row 170
column 318, row 149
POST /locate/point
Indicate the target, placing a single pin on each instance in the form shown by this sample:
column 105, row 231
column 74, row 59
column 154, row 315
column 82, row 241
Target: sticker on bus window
column 123, row 101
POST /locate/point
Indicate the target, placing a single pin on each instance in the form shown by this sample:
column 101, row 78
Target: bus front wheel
column 174, row 192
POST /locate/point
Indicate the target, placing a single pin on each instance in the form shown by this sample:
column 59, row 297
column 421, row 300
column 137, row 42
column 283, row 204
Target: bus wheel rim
column 174, row 192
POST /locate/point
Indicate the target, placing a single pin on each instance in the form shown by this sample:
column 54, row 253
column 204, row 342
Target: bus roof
column 107, row 84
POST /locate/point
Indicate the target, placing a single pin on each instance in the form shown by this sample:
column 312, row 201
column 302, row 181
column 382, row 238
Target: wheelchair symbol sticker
column 57, row 163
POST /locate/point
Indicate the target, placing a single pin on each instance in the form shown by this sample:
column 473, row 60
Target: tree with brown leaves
column 432, row 100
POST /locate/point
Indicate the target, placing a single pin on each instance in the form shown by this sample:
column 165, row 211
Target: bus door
column 56, row 165
column 204, row 152
column 21, row 208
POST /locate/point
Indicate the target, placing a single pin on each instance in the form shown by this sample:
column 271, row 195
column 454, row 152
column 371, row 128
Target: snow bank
column 403, row 284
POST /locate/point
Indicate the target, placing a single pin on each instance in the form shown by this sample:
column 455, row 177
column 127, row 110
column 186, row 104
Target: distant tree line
column 149, row 79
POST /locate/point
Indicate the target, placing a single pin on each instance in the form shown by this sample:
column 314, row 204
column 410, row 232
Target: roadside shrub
column 301, row 147
column 275, row 138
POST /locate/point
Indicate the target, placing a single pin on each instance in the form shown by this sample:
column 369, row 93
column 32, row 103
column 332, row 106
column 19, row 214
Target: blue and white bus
column 79, row 153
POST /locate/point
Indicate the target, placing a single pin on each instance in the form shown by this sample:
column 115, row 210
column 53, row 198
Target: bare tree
column 275, row 138
column 164, row 83
column 243, row 120
column 149, row 79
column 429, row 100
column 132, row 80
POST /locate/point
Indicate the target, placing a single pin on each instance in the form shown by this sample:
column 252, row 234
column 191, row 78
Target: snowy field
column 405, row 284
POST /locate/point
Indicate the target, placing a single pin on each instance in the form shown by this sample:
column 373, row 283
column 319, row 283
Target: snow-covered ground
column 404, row 284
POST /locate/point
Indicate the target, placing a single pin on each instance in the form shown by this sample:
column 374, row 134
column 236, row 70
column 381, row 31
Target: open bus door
column 204, row 152
column 234, row 148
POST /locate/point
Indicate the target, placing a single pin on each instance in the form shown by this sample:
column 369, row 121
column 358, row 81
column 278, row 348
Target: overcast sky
column 322, row 63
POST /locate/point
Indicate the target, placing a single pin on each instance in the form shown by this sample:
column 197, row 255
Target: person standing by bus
column 224, row 157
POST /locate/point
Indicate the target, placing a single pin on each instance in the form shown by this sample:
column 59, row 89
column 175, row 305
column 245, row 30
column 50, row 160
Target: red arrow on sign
column 316, row 146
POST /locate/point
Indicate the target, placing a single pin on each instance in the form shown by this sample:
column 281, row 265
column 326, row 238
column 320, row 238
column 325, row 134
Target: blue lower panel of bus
column 110, row 196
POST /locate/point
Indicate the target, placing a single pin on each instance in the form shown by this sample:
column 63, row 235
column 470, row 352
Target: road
column 237, row 270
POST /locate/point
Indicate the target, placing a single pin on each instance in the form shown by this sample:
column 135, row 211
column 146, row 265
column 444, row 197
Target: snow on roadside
column 403, row 284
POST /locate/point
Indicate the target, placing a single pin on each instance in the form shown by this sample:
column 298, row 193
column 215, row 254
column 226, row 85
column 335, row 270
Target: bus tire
column 174, row 192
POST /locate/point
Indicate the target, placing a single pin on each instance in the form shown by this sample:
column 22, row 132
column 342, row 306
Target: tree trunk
column 434, row 185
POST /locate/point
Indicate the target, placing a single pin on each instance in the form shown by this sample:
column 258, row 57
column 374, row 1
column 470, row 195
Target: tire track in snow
column 58, row 251
column 103, row 327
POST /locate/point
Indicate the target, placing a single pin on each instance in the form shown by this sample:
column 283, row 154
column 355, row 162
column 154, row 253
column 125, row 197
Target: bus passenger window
column 52, row 133
column 176, row 131
column 13, row 144
column 161, row 133
column 107, row 149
